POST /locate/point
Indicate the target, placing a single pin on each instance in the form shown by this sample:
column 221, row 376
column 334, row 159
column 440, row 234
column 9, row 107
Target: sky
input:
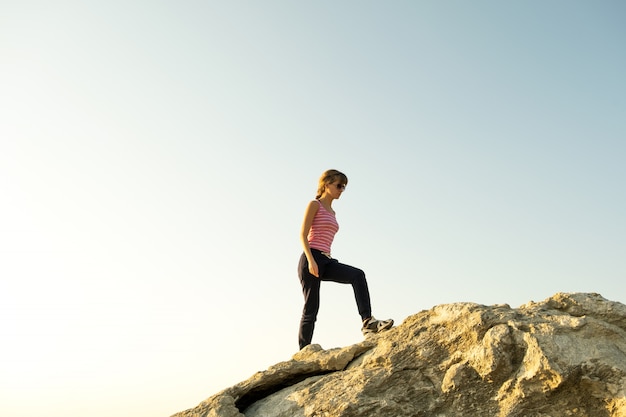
column 156, row 159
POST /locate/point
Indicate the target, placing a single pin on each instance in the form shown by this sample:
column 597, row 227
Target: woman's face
column 335, row 189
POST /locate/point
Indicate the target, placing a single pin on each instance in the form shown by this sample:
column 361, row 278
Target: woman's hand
column 313, row 268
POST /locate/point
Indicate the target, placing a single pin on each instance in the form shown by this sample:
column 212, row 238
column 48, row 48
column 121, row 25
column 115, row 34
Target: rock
column 565, row 356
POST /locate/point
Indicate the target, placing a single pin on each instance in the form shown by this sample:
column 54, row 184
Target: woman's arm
column 309, row 214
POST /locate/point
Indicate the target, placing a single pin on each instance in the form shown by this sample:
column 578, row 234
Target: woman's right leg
column 311, row 292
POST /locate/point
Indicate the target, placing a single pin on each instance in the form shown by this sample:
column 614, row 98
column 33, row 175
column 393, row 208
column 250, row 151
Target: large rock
column 565, row 356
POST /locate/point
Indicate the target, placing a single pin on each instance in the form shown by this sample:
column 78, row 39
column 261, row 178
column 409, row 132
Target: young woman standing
column 316, row 263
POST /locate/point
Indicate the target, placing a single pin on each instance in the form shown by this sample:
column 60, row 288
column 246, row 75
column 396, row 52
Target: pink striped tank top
column 323, row 229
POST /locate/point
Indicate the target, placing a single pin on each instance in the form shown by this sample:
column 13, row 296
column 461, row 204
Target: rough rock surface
column 565, row 356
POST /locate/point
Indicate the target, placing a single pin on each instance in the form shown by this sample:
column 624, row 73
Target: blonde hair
column 329, row 177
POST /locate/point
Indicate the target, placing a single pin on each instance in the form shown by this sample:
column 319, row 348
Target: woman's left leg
column 346, row 274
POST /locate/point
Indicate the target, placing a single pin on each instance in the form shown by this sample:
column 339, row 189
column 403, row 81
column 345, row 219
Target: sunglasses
column 340, row 186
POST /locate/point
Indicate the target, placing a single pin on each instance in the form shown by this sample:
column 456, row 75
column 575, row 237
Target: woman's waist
column 325, row 252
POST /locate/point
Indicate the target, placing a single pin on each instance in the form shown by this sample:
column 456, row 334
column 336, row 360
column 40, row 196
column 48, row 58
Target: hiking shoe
column 373, row 325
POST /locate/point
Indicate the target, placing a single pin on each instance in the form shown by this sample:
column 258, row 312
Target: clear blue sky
column 156, row 158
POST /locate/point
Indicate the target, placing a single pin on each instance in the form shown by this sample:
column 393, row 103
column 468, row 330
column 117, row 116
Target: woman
column 316, row 264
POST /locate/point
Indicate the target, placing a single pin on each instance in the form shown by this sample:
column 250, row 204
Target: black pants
column 329, row 270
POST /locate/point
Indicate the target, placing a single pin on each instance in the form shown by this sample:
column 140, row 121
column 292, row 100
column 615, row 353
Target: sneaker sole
column 386, row 327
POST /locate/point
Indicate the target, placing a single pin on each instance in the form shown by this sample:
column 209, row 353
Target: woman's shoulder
column 313, row 206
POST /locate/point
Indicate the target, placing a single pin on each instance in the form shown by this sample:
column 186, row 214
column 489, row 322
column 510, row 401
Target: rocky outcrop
column 565, row 356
